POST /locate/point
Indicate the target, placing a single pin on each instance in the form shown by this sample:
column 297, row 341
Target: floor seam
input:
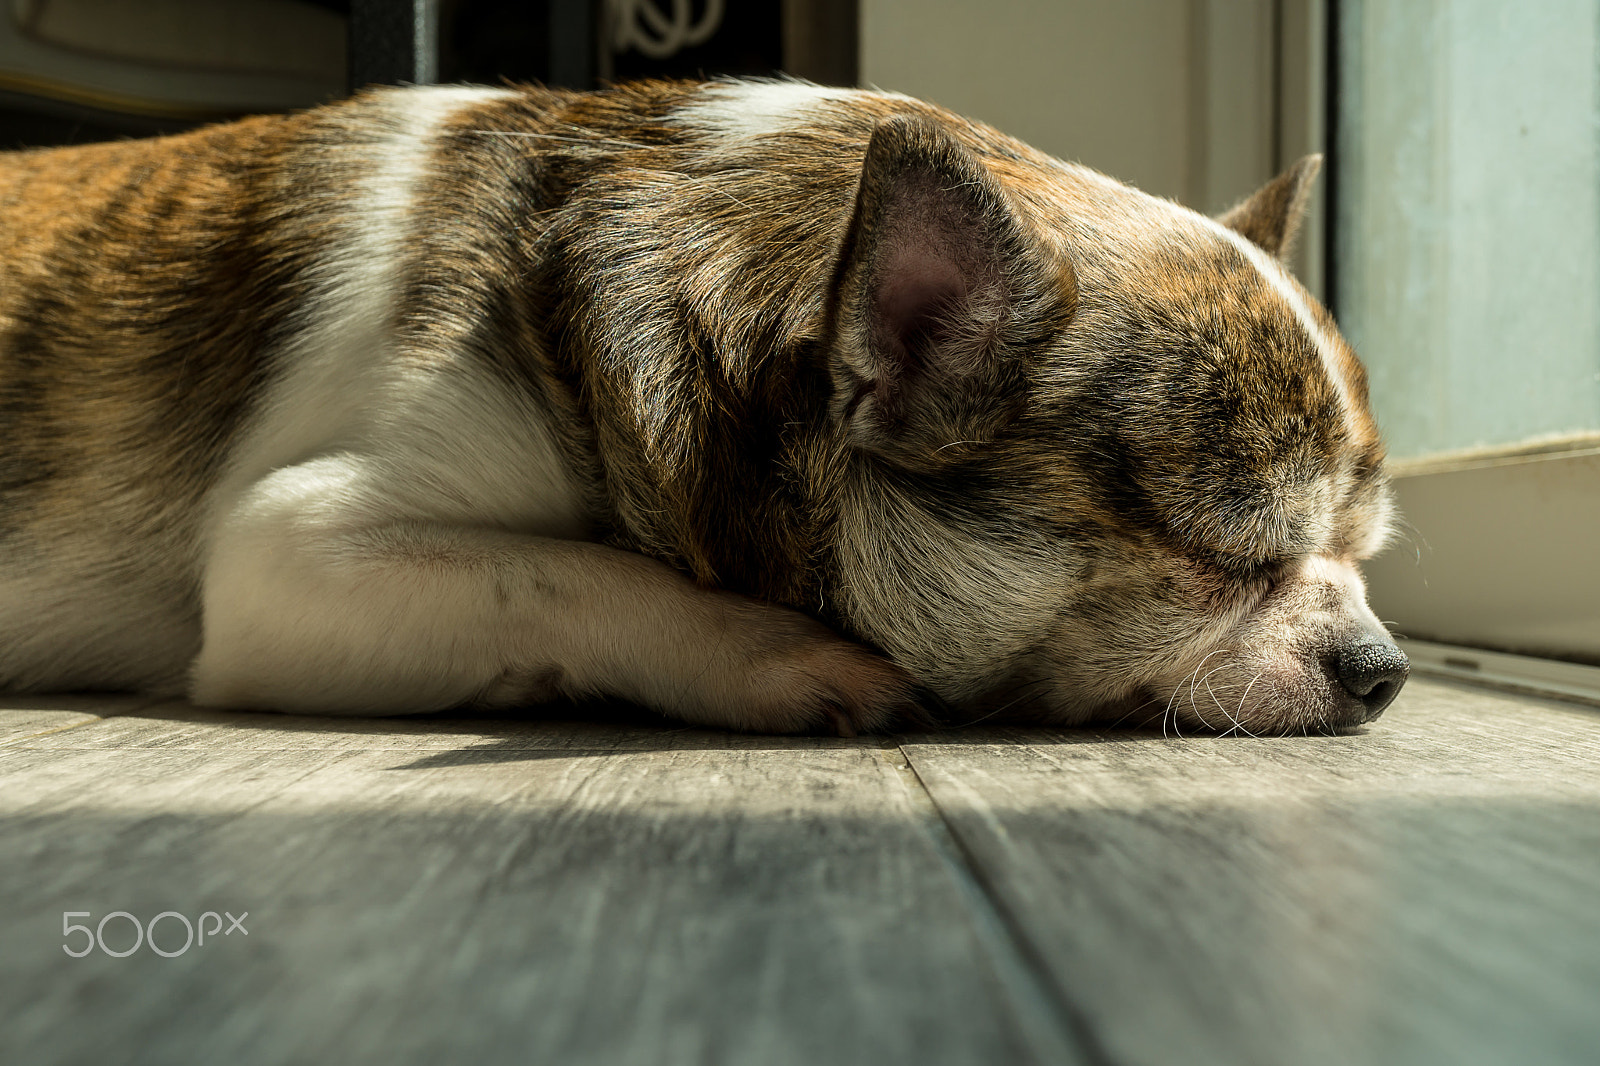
column 1057, row 1028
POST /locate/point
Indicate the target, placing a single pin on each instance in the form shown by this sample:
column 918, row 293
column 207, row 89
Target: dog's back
column 154, row 293
column 136, row 320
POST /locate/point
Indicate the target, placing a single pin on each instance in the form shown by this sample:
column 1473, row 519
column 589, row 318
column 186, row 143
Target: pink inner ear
column 916, row 282
column 933, row 265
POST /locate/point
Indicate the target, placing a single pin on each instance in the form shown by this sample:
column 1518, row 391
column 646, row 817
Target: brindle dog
column 764, row 405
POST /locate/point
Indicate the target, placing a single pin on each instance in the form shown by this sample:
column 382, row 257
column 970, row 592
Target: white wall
column 1174, row 96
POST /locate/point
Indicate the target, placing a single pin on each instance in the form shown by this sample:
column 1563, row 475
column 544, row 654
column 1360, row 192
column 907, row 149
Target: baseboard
column 1520, row 673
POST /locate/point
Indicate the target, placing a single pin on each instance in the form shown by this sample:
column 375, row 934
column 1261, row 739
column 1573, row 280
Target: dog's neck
column 695, row 353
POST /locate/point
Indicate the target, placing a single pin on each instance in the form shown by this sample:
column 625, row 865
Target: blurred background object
column 81, row 70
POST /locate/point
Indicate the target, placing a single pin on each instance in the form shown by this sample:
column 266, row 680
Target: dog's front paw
column 790, row 674
column 831, row 686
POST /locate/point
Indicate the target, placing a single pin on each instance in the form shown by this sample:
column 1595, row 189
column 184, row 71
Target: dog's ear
column 1272, row 216
column 939, row 286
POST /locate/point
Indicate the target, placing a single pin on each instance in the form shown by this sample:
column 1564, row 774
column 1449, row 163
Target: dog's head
column 1108, row 460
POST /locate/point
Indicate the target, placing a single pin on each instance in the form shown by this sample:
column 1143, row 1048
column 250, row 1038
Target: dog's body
column 453, row 395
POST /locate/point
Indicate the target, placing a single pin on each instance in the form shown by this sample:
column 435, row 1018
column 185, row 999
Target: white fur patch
column 1324, row 570
column 343, row 389
column 455, row 446
column 752, row 109
column 352, row 441
column 334, row 361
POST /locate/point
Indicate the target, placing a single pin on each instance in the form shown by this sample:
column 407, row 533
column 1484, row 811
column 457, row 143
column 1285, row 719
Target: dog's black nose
column 1372, row 670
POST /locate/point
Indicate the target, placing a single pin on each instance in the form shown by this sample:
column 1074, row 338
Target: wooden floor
column 455, row 890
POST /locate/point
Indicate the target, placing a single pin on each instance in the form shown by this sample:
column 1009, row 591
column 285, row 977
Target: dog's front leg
column 317, row 602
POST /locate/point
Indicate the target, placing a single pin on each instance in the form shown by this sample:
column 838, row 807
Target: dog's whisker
column 1168, row 709
column 1213, row 694
column 1238, row 721
column 1238, row 725
column 1194, row 704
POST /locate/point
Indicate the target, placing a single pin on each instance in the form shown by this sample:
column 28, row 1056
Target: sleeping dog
column 764, row 405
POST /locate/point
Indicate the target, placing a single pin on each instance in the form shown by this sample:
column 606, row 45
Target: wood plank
column 494, row 894
column 29, row 716
column 1423, row 892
